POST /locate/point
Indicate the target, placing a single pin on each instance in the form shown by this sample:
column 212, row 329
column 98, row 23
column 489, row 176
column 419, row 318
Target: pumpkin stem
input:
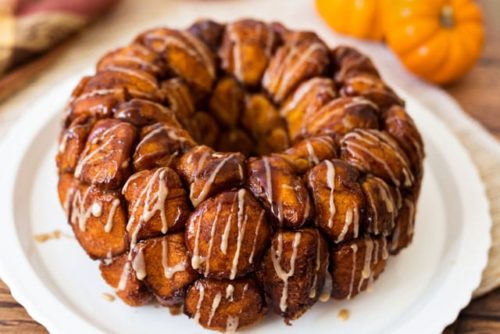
column 447, row 17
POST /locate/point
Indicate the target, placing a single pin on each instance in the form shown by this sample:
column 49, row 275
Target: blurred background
column 450, row 44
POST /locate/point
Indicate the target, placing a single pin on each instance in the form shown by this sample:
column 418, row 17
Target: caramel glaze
column 227, row 168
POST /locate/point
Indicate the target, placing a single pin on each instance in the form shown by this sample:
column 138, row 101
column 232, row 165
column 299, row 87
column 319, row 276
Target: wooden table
column 479, row 95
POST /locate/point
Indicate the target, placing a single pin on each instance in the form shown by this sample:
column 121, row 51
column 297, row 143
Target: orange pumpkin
column 358, row 18
column 439, row 40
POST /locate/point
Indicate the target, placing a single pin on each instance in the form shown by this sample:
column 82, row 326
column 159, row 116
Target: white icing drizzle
column 326, row 292
column 202, row 50
column 231, row 324
column 134, row 59
column 312, row 157
column 215, row 306
column 230, row 292
column 366, row 272
column 170, row 131
column 269, row 183
column 208, row 184
column 145, row 78
column 375, row 259
column 201, row 290
column 194, row 48
column 276, row 210
column 122, row 284
column 169, row 271
column 68, row 200
column 290, row 71
column 347, row 222
column 90, row 158
column 324, row 87
column 411, row 217
column 370, row 138
column 64, row 142
column 330, row 181
column 355, row 211
column 284, row 276
column 358, row 100
column 196, row 259
column 417, row 145
column 212, row 235
column 254, row 243
column 269, row 40
column 152, row 202
column 80, row 215
column 227, row 228
column 242, row 223
column 139, row 265
column 237, row 56
column 96, row 209
column 385, row 253
column 354, row 250
column 109, row 221
column 96, row 92
column 395, row 237
column 312, row 291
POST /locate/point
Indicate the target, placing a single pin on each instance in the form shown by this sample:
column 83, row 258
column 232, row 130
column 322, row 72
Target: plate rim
column 11, row 267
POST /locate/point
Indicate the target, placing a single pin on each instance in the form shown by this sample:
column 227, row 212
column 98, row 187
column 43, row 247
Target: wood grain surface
column 479, row 94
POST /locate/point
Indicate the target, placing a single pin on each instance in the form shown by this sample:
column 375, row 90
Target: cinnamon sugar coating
column 231, row 169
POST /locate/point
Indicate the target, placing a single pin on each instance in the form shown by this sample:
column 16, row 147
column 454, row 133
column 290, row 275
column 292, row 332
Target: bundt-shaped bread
column 233, row 169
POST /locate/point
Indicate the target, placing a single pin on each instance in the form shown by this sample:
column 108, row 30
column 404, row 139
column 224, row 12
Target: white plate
column 422, row 289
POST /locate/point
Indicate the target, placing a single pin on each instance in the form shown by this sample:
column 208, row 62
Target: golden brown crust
column 160, row 145
column 105, row 160
column 184, row 54
column 226, row 102
column 338, row 199
column 119, row 274
column 350, row 62
column 356, row 264
column 157, row 203
column 341, row 116
column 179, row 98
column 293, row 63
column 98, row 219
column 293, row 271
column 401, row 127
column 236, row 140
column 246, row 50
column 225, row 305
column 65, row 189
column 135, row 83
column 402, row 234
column 142, row 112
column 375, row 152
column 372, row 88
column 309, row 152
column 227, row 234
column 307, row 99
column 72, row 142
column 163, row 265
column 98, row 103
column 209, row 172
column 208, row 31
column 134, row 57
column 204, row 128
column 262, row 120
column 247, row 153
column 274, row 182
column 381, row 206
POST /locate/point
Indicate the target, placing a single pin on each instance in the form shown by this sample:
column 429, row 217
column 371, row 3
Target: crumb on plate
column 344, row 314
